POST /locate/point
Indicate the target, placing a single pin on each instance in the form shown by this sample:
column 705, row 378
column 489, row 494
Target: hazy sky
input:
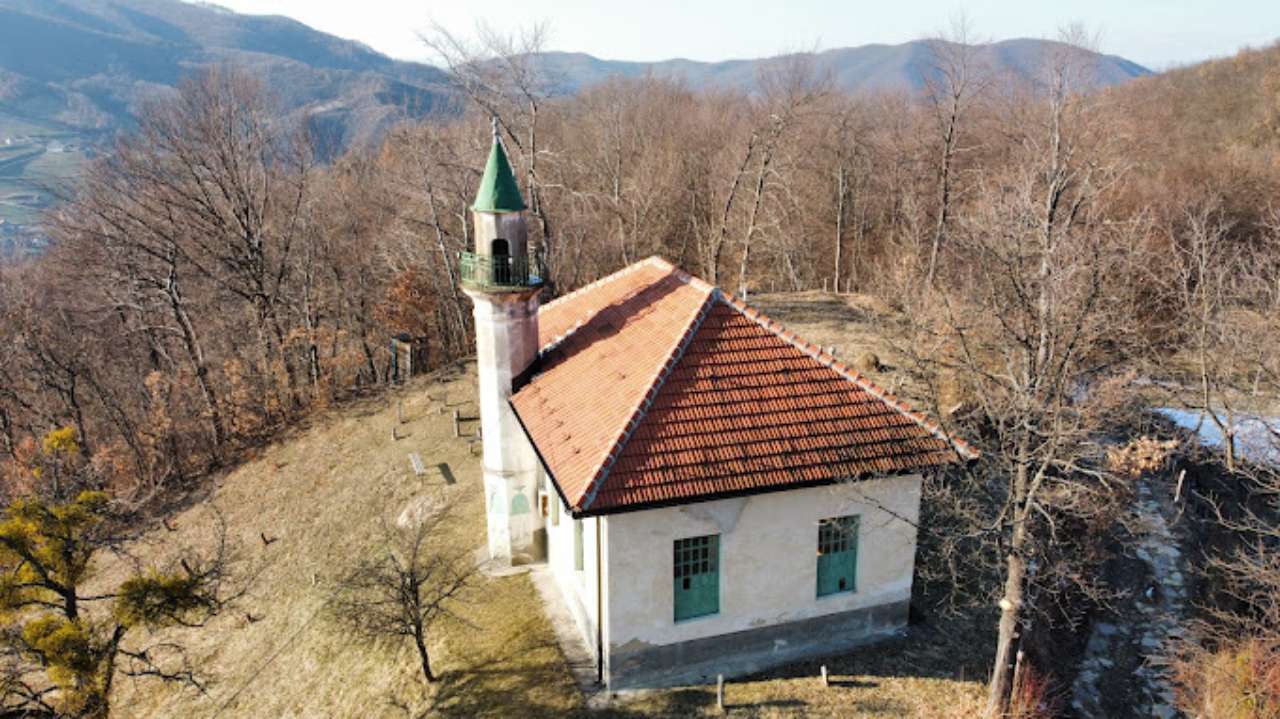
column 1156, row 33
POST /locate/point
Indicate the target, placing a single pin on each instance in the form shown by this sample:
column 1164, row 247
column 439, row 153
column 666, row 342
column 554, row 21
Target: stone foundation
column 636, row 665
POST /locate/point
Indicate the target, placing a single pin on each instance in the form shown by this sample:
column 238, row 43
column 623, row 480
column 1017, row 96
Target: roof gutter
column 599, row 609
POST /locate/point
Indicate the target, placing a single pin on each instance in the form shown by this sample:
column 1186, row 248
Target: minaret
column 498, row 278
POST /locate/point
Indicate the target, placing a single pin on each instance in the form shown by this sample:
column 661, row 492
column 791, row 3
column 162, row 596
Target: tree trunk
column 195, row 353
column 944, row 192
column 717, row 243
column 1001, row 683
column 1006, row 640
column 458, row 302
column 840, row 198
column 757, row 200
column 420, row 640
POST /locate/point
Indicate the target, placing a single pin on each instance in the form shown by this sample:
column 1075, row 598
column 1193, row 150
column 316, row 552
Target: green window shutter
column 697, row 576
column 837, row 555
column 577, row 544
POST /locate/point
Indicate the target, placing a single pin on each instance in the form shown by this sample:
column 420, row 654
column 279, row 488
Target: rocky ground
column 1123, row 672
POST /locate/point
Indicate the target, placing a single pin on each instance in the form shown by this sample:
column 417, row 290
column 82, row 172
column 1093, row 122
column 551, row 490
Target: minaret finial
column 493, row 121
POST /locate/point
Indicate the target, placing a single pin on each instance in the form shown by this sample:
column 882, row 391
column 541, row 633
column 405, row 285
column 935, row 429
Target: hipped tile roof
column 656, row 388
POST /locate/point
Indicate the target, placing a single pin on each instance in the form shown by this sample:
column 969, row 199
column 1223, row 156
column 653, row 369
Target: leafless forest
column 1061, row 260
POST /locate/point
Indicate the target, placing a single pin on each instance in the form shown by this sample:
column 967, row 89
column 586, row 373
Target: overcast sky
column 1155, row 33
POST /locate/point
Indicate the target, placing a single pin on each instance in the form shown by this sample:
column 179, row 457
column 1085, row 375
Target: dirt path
column 1127, row 651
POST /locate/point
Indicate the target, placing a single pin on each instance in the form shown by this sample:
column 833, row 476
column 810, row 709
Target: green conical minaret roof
column 498, row 190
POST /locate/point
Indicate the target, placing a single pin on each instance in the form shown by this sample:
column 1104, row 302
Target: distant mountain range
column 73, row 72
column 864, row 68
column 88, row 65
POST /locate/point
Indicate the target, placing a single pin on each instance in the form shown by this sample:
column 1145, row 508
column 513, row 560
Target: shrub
column 1241, row 681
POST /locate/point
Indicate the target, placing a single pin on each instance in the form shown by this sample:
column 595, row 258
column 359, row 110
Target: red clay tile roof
column 656, row 388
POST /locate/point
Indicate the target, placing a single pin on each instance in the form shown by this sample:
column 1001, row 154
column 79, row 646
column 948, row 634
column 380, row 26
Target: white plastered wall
column 577, row 587
column 506, row 343
column 768, row 559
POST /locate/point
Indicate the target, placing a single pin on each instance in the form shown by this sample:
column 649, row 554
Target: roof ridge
column 601, row 473
column 963, row 448
column 650, row 261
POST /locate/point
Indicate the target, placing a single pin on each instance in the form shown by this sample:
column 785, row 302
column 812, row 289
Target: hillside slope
column 1204, row 136
column 324, row 495
column 90, row 65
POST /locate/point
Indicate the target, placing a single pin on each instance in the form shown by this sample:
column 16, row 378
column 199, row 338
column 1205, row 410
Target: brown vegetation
column 210, row 284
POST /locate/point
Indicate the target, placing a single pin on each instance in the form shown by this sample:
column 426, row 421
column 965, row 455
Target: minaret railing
column 498, row 271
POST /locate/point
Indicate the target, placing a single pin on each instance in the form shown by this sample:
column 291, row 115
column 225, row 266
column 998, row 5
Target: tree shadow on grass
column 951, row 648
column 518, row 672
column 886, row 707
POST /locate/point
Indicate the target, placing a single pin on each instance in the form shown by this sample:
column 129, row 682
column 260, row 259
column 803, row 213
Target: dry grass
column 853, row 327
column 325, row 491
column 923, row 676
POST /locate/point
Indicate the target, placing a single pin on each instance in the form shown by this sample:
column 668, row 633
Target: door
column 837, row 555
column 697, row 576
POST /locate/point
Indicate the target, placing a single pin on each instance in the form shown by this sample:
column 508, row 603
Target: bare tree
column 1026, row 336
column 1216, row 284
column 502, row 75
column 412, row 582
column 957, row 79
column 791, row 89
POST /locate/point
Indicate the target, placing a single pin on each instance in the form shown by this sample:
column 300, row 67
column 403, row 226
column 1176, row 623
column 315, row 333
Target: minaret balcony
column 500, row 273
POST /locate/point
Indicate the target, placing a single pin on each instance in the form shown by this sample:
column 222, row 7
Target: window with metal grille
column 697, row 576
column 837, row 555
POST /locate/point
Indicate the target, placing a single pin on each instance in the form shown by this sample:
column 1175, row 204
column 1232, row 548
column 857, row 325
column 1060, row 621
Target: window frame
column 693, row 558
column 835, row 540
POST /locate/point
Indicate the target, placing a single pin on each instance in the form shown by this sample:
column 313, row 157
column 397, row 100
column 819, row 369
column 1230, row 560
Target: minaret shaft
column 504, row 288
column 506, row 346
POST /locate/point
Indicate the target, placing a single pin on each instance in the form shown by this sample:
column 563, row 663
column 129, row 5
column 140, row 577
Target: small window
column 554, row 499
column 500, row 262
column 577, row 545
column 697, row 576
column 519, row 504
column 837, row 555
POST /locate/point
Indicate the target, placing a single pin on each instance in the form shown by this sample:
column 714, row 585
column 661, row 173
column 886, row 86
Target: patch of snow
column 1257, row 436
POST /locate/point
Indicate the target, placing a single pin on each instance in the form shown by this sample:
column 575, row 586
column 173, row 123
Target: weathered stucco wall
column 578, row 588
column 769, row 609
column 506, row 343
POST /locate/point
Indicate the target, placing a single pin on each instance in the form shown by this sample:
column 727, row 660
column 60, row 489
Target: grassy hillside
column 28, row 171
column 324, row 492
